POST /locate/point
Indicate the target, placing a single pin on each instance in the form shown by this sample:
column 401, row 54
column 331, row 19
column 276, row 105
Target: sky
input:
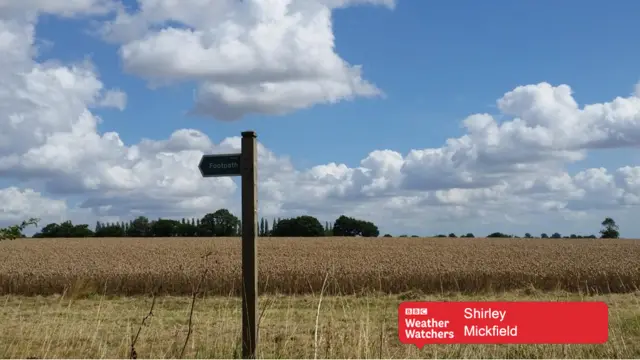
column 424, row 117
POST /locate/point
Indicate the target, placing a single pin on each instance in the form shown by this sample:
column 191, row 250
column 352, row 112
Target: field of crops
column 128, row 266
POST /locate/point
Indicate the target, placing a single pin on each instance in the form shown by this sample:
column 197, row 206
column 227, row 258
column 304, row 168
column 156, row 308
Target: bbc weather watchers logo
column 416, row 311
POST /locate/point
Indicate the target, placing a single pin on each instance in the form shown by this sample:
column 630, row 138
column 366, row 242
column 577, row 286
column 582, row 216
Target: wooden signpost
column 244, row 165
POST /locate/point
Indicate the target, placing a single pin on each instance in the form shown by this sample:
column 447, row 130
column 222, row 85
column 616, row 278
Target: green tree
column 528, row 236
column 301, row 226
column 556, row 236
column 544, row 236
column 164, row 228
column 347, row 226
column 140, row 227
column 497, row 235
column 452, row 235
column 15, row 231
column 64, row 230
column 220, row 223
column 110, row 230
column 610, row 230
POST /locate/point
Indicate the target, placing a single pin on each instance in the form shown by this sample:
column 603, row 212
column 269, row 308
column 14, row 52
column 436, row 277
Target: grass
column 347, row 327
column 135, row 266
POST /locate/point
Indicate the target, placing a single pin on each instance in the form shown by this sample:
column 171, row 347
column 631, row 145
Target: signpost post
column 245, row 165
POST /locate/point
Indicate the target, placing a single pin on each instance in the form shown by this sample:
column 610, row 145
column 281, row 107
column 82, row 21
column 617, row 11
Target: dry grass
column 348, row 327
column 127, row 266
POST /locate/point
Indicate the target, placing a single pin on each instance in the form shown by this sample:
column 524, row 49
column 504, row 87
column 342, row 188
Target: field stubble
column 134, row 266
column 291, row 327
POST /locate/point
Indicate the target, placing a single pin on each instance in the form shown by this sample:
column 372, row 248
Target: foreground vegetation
column 134, row 266
column 89, row 296
column 290, row 327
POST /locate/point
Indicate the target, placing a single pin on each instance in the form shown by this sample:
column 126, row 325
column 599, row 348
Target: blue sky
column 437, row 62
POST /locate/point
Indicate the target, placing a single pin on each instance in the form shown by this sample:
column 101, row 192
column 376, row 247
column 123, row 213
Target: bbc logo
column 416, row 311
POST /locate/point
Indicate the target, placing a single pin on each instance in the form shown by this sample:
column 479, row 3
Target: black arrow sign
column 220, row 165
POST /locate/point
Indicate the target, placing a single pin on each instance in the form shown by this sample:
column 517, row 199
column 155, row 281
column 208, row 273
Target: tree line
column 220, row 223
column 223, row 223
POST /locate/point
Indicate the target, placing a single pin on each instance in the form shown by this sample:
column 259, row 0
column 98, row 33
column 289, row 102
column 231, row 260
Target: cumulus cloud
column 249, row 57
column 509, row 173
column 58, row 7
column 20, row 204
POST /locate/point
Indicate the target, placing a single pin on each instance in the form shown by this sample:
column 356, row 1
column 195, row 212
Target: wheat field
column 132, row 266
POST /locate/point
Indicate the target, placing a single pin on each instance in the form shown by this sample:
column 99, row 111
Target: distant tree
column 403, row 236
column 187, row 229
column 347, row 226
column 220, row 223
column 556, row 236
column 110, row 230
column 574, row 236
column 452, row 235
column 261, row 227
column 301, row 226
column 610, row 230
column 528, row 236
column 15, row 231
column 387, row 235
column 64, row 230
column 327, row 229
column 267, row 232
column 468, row 235
column 498, row 235
column 165, row 228
column 544, row 236
column 441, row 236
column 415, row 236
column 140, row 227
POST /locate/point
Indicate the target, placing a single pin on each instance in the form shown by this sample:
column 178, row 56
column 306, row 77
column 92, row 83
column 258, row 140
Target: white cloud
column 255, row 56
column 114, row 98
column 499, row 176
column 20, row 204
column 57, row 7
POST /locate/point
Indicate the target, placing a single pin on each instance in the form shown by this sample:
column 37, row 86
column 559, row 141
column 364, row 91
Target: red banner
column 423, row 323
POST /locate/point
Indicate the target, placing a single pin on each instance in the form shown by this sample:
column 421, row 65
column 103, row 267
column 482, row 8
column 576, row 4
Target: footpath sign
column 220, row 165
column 423, row 323
column 245, row 165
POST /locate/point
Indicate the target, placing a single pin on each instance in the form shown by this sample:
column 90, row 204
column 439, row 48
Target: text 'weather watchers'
column 423, row 323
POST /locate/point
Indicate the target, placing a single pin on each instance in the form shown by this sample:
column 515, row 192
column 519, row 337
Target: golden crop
column 130, row 266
